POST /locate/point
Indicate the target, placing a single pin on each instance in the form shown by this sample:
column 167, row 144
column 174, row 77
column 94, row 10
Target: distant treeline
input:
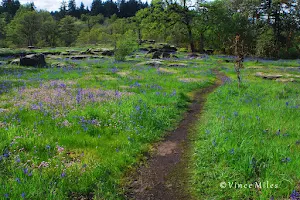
column 267, row 28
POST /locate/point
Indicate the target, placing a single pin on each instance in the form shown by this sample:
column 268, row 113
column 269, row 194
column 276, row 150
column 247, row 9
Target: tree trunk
column 201, row 43
column 191, row 41
column 139, row 36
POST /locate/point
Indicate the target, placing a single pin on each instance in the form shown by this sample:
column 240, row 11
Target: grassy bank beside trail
column 73, row 132
column 249, row 136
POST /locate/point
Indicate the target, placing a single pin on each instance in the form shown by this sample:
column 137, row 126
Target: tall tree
column 62, row 10
column 110, row 8
column 67, row 30
column 72, row 10
column 97, row 8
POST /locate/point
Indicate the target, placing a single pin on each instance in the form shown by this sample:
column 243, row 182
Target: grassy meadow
column 73, row 132
column 250, row 136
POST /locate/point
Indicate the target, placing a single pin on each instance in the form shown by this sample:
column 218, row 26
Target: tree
column 11, row 7
column 91, row 21
column 110, row 8
column 23, row 29
column 72, row 9
column 2, row 29
column 48, row 30
column 62, row 10
column 67, row 30
column 82, row 9
column 266, row 44
column 97, row 8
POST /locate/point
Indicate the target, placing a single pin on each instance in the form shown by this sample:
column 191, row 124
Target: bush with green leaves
column 266, row 46
column 125, row 46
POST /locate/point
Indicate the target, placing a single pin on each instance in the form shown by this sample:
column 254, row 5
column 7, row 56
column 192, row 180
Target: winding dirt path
column 165, row 175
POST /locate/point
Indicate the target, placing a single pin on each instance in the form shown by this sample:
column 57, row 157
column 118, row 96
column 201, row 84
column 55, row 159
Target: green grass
column 58, row 150
column 249, row 135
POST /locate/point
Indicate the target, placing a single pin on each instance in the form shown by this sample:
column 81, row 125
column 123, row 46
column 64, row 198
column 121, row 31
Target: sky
column 52, row 5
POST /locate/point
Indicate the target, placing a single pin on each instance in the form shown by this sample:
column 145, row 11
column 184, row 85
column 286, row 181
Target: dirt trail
column 165, row 176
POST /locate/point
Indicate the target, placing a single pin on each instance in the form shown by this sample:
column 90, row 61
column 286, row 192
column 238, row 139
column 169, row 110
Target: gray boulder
column 166, row 55
column 156, row 55
column 14, row 62
column 168, row 48
column 35, row 60
column 108, row 53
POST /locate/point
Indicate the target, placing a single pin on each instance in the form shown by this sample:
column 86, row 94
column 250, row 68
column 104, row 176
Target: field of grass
column 73, row 132
column 250, row 136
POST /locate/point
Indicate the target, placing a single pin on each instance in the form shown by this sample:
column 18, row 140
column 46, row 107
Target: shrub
column 125, row 46
column 293, row 53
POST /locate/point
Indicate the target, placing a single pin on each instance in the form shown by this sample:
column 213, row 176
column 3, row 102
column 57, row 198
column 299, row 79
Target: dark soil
column 165, row 175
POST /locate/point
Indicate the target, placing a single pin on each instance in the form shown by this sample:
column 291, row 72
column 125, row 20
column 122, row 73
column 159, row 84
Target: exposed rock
column 255, row 67
column 268, row 76
column 108, row 53
column 14, row 62
column 35, row 60
column 51, row 53
column 79, row 57
column 292, row 75
column 168, row 48
column 285, row 80
column 177, row 65
column 65, row 53
column 156, row 55
column 87, row 52
column 72, row 51
column 152, row 51
column 60, row 65
column 97, row 50
column 97, row 57
column 166, row 55
column 151, row 63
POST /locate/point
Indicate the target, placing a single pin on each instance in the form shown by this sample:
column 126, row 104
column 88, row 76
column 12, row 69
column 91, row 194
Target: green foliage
column 23, row 29
column 125, row 46
column 68, row 30
column 268, row 29
column 265, row 46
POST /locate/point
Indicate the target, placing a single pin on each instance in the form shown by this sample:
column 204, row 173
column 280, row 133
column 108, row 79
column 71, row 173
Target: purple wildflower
column 18, row 159
column 23, row 195
column 18, row 180
column 63, row 174
column 25, row 170
column 295, row 195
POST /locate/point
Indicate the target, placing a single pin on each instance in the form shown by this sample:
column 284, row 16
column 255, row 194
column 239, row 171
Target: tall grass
column 249, row 136
column 74, row 132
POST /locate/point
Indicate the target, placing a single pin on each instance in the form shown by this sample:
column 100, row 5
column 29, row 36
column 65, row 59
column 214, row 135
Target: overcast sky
column 52, row 5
